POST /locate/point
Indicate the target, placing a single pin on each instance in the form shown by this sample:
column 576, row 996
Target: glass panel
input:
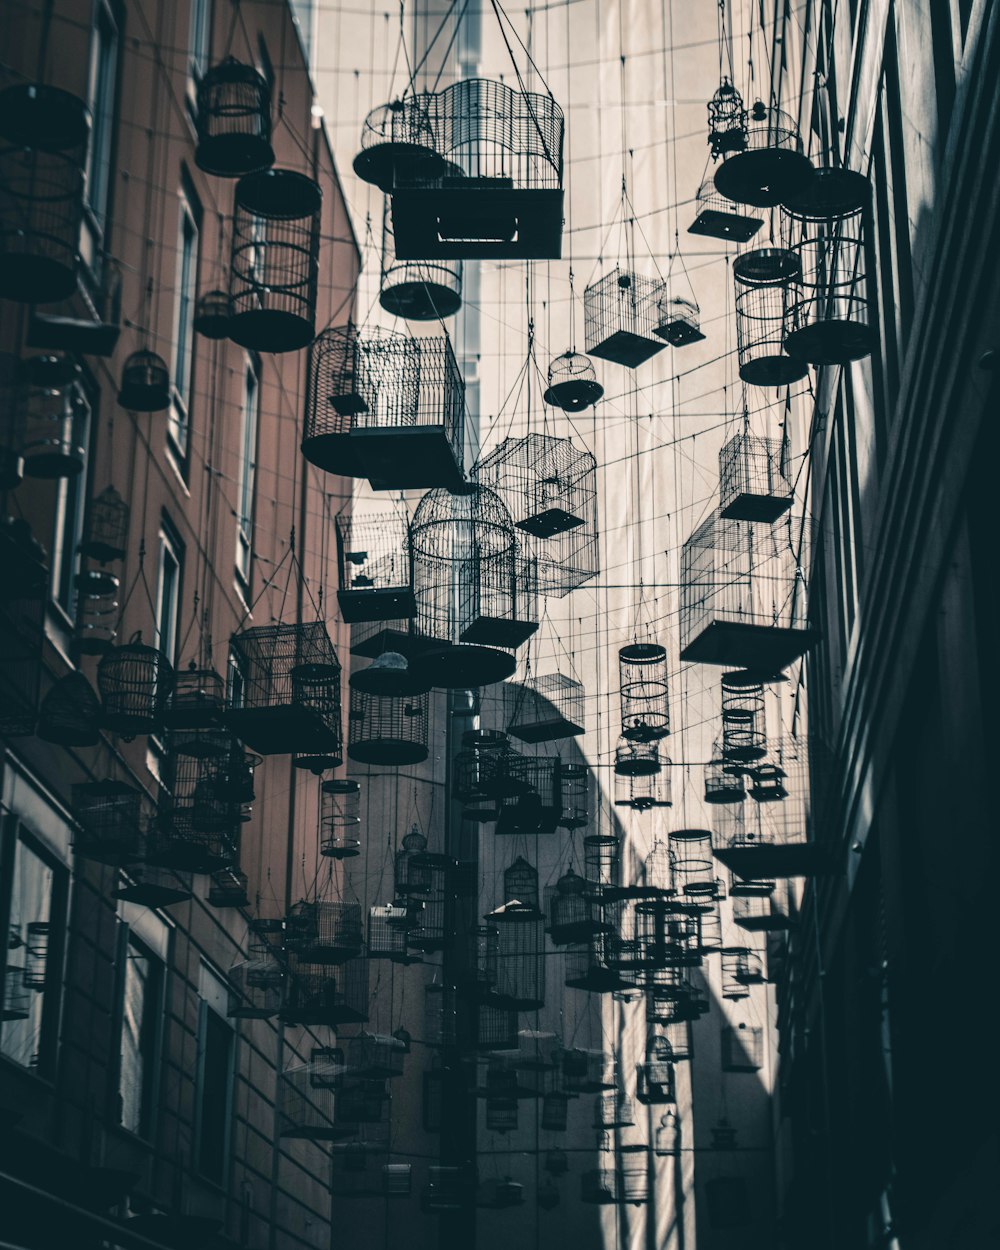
column 213, row 1134
column 166, row 614
column 244, row 543
column 29, row 955
column 138, row 1039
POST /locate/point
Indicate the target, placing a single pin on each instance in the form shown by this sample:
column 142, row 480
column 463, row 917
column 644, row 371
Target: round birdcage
column 743, row 737
column 340, row 819
column 70, row 714
column 97, row 611
column 211, row 315
column 769, row 166
column 763, row 280
column 573, row 384
column 636, row 758
column 419, row 290
column 134, row 683
column 233, row 120
column 387, row 731
column 642, row 669
column 397, row 140
column 574, row 796
column 105, row 531
column 274, row 267
column 198, row 699
column 694, row 871
column 727, row 121
column 145, row 385
column 51, row 447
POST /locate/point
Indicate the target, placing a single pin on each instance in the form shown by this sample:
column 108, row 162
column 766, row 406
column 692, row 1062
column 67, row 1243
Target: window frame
column 103, row 88
column 216, row 987
column 154, row 1006
column 189, row 222
column 246, row 484
column 172, row 548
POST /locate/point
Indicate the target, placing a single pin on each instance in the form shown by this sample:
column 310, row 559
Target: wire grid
column 691, row 854
column 197, row 827
column 742, row 1048
column 233, row 120
column 743, row 737
column 388, row 729
column 41, row 215
column 741, row 968
column 318, row 994
column 621, row 313
column 753, row 482
column 396, row 138
column 387, row 932
column 134, row 682
column 324, row 932
column 545, row 708
column 727, row 121
column 520, row 979
column 373, row 552
column 719, row 218
column 520, row 883
column 827, row 317
column 291, row 669
column 378, row 1056
column 760, row 335
column 434, row 922
column 340, row 818
column 642, row 674
column 419, row 290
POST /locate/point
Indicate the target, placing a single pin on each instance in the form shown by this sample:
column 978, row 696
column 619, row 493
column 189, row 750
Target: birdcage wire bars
column 572, row 383
column 765, row 281
column 719, row 218
column 134, row 682
column 743, row 728
column 753, row 480
column 642, row 672
column 105, row 530
column 621, row 313
column 398, row 142
column 388, row 730
column 373, row 552
column 340, row 818
column 233, row 120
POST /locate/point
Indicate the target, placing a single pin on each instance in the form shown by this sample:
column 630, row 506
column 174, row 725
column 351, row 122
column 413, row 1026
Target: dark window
column 102, row 94
column 141, row 1007
column 215, row 1074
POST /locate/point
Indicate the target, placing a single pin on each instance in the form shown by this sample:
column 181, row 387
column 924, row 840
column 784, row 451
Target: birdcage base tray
column 387, row 751
column 679, row 333
column 462, row 667
column 773, row 371
column 749, row 507
column 792, row 859
column 546, row 730
column 252, row 1013
column 30, row 279
column 549, row 523
column 87, row 334
column 320, row 1016
column 498, row 631
column 382, row 164
column 598, row 981
column 271, row 330
column 742, row 645
column 384, row 640
column 477, row 219
column 751, row 888
column 763, row 177
column 771, row 922
column 380, row 604
column 283, row 730
column 830, row 342
column 232, row 156
column 578, row 933
column 627, row 349
column 573, row 396
column 412, row 458
column 733, row 227
column 333, row 453
column 420, row 301
column 151, row 895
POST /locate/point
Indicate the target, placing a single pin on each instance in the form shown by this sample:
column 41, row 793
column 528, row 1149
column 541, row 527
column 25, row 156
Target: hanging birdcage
column 324, row 994
column 573, row 917
column 743, row 595
column 769, row 166
column 70, row 714
column 339, row 389
column 376, row 581
column 97, row 609
column 418, row 290
column 434, row 922
column 43, row 154
column 197, row 829
column 256, row 985
column 724, row 784
column 145, row 384
column 464, row 580
column 212, row 315
column 498, row 1194
column 388, row 930
column 413, row 874
column 545, row 708
column 398, row 142
column 52, row 446
column 643, row 791
column 12, row 381
column 741, row 968
column 827, row 320
column 642, row 671
column 340, row 818
column 531, row 802
column 615, row 1186
column 134, row 683
column 520, row 884
column 550, row 489
column 621, row 312
column 588, row 1071
column 448, row 1189
column 636, row 758
column 766, row 281
column 105, row 528
column 675, row 1039
column 743, row 728
column 667, row 934
column 588, row 969
column 694, row 869
column 742, row 1049
column 307, row 1097
column 572, row 383
column 274, row 264
column 324, row 932
column 520, row 978
column 678, row 320
column 727, row 121
column 753, row 482
column 228, row 888
column 375, row 1056
column 718, row 218
column 668, row 1136
column 108, row 815
column 289, row 692
column 198, row 700
column 613, row 1109
column 760, row 912
column 498, row 194
column 233, row 120
column 574, row 795
column 501, row 1115
column 555, row 1109
column 387, row 731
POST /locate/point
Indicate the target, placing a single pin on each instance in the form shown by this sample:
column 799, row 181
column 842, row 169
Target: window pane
column 28, row 958
column 103, row 71
column 214, row 1095
column 201, row 12
column 166, row 614
column 68, row 519
column 138, row 1039
column 248, row 450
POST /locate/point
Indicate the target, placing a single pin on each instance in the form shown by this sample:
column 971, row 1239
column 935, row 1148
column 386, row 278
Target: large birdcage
column 743, row 601
column 288, row 690
column 324, row 932
column 520, row 979
column 622, row 311
column 197, row 828
column 520, row 884
column 256, row 985
column 499, row 193
column 465, row 584
column 766, row 281
column 398, row 141
column 727, row 121
column 387, row 731
column 550, row 489
column 274, row 264
column 373, row 552
column 418, row 290
column 645, row 790
column 134, row 682
column 769, row 165
column 642, row 671
column 233, row 120
column 719, row 218
column 108, row 822
column 827, row 319
column 545, row 708
column 744, row 739
column 340, row 818
column 41, row 191
column 324, row 994
column 753, row 480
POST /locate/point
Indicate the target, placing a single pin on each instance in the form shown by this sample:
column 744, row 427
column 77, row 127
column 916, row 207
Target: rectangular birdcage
column 388, row 931
column 545, row 708
column 197, row 826
column 743, row 595
column 622, row 312
column 753, row 482
column 324, row 994
column 376, row 580
column 109, row 817
column 324, row 932
column 719, row 218
column 286, row 696
column 520, row 979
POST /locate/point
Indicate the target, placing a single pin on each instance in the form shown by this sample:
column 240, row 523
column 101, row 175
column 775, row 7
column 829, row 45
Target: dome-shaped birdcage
column 340, row 818
column 373, row 556
column 105, row 527
column 574, row 795
column 719, row 218
column 520, row 884
column 621, row 312
column 727, row 121
column 145, row 384
column 198, row 700
column 398, row 142
column 464, row 582
column 340, row 387
column 678, row 320
column 636, row 758
column 108, row 822
column 743, row 730
column 770, row 165
column 418, row 290
column 70, row 714
column 233, row 120
column 43, row 150
column 212, row 315
column 765, row 279
column 572, row 383
column 414, row 876
column 642, row 672
column 274, row 265
column 384, row 730
column 135, row 682
column 53, row 406
column 753, row 481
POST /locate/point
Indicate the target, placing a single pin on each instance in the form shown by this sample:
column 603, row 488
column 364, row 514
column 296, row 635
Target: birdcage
column 212, row 315
column 555, row 1108
column 398, row 141
column 550, row 489
column 667, row 934
column 676, row 1040
column 323, row 994
column 573, row 918
column 197, row 828
column 228, row 888
column 724, row 784
column 274, row 263
column 339, row 388
column 643, row 791
column 667, row 1142
column 694, row 872
column 434, row 923
column 622, row 311
column 588, row 1071
column 520, row 884
column 105, row 527
column 642, row 670
column 572, row 383
column 145, row 384
column 307, row 1097
column 742, row 1048
column 388, row 931
column 324, row 932
column 827, row 320
column 766, row 281
column 464, row 579
column 719, row 218
column 758, row 912
column 197, row 701
column 414, row 866
column 727, row 121
column 233, row 120
column 387, row 731
column 753, row 482
column 419, row 290
column 743, row 600
column 375, row 1056
column 97, row 610
column 108, row 821
column 741, row 968
column 374, row 558
column 613, row 1109
column 678, row 321
column 587, row 968
column 12, row 380
column 655, row 1084
column 289, row 689
column 42, row 165
column 743, row 736
column 340, row 818
column 448, row 1189
column 615, row 1186
column 600, row 857
column 545, row 708
column 16, row 1002
column 636, row 758
column 501, row 1115
column 574, row 795
column 135, row 682
column 256, row 985
column 70, row 713
column 51, row 446
column 498, row 194
column 145, row 885
column 675, row 1004
column 769, row 165
column 520, row 980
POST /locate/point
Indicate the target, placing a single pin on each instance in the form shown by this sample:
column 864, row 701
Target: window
column 216, row 1050
column 141, row 1011
column 199, row 42
column 168, row 590
column 104, row 45
column 69, row 508
column 247, row 472
column 188, row 222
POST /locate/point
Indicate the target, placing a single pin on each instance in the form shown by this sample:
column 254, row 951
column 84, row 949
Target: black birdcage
column 388, row 929
column 324, row 932
column 555, row 1108
column 827, row 321
column 694, row 868
column 678, row 320
column 615, row 1186
column 109, row 822
column 233, row 120
column 574, row 795
column 321, row 994
column 550, row 489
column 105, row 529
column 724, row 784
column 398, row 142
column 727, row 121
column 289, row 689
column 198, row 701
column 434, row 923
column 146, row 885
column 742, row 1049
column 719, row 218
column 642, row 671
column 465, row 584
column 70, row 714
column 52, row 446
column 97, row 609
column 340, row 818
column 501, row 1115
column 761, row 913
column 573, row 916
column 743, row 728
column 520, row 884
column 534, row 805
column 212, row 315
column 256, row 985
column 448, row 1189
column 743, row 595
column 339, row 389
column 43, row 149
column 636, row 758
column 572, row 383
column 766, row 281
column 500, row 1193
column 414, row 869
column 135, row 682
column 753, row 481
column 520, row 981
column 197, row 828
column 622, row 311
column 307, row 1098
column 496, row 1027
column 588, row 969
column 376, row 1056
column 498, row 194
column 227, row 887
column 274, row 264
column 418, row 290
column 588, row 1071
column 545, row 708
column 643, row 791
column 387, row 731
column 769, row 165
column 741, row 968
column 145, row 384
column 373, row 553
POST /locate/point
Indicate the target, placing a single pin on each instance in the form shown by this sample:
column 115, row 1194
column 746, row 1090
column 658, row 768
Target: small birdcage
column 769, row 165
column 256, row 985
column 105, row 528
column 668, row 933
column 274, row 264
column 387, row 731
column 197, row 830
column 388, row 933
column 642, row 671
column 418, row 290
column 694, row 871
column 340, row 818
column 636, row 758
column 601, row 857
column 727, row 121
column 643, row 791
column 397, row 1180
column 622, row 311
column 766, row 281
column 16, row 1002
column 52, row 446
column 574, row 795
column 324, row 932
column 434, row 923
column 743, row 595
column 723, row 783
column 588, row 969
column 742, row 1049
column 545, row 708
column 573, row 918
column 741, row 968
column 376, row 581
column 145, row 384
column 678, row 321
column 43, row 155
column 339, row 389
column 321, row 994
column 135, row 682
column 212, row 315
column 398, row 142
column 289, row 692
column 572, row 383
column 233, row 120
column 743, row 736
column 588, row 1071
column 668, row 1136
column 520, row 981
column 109, row 819
column 198, row 699
column 414, row 875
column 718, row 218
column 753, row 482
column 655, row 1084
column 499, row 192
column 501, row 1115
column 615, row 1186
column 70, row 714
column 228, row 888
column 375, row 1056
